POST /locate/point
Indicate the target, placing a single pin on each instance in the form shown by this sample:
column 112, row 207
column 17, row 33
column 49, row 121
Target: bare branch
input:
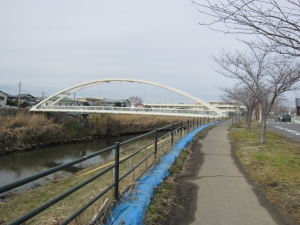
column 279, row 24
column 264, row 75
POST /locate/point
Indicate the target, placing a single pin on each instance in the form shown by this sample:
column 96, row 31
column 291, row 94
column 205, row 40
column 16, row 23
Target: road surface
column 291, row 130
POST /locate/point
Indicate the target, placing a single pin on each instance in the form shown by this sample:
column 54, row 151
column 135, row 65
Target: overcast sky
column 51, row 45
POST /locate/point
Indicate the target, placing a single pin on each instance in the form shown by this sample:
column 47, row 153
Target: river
column 17, row 166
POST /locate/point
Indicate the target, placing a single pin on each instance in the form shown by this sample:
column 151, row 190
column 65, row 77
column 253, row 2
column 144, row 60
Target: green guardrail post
column 172, row 134
column 116, row 181
column 193, row 124
column 180, row 129
column 155, row 143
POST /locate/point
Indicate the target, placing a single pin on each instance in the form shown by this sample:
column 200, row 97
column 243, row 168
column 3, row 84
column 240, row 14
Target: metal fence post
column 193, row 124
column 117, row 158
column 188, row 125
column 155, row 142
column 180, row 129
column 172, row 134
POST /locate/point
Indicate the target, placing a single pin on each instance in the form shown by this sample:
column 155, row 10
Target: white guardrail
column 127, row 110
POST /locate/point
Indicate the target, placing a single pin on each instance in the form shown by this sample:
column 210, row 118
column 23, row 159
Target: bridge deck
column 127, row 110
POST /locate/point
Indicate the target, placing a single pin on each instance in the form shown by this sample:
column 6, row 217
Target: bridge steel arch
column 70, row 90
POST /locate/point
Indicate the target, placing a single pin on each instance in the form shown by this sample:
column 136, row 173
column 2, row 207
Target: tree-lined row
column 269, row 66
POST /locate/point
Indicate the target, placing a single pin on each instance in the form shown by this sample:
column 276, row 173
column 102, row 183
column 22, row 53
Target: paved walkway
column 224, row 196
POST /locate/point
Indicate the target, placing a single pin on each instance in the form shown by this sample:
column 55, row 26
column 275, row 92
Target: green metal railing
column 175, row 128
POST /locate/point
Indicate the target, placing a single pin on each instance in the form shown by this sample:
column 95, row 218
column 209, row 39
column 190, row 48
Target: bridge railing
column 149, row 158
column 97, row 109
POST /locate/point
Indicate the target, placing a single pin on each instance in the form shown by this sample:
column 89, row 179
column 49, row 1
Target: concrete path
column 224, row 196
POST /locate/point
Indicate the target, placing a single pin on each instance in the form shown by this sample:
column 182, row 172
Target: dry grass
column 24, row 120
column 25, row 131
column 275, row 165
column 164, row 195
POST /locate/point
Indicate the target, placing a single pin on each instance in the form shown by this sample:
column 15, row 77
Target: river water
column 17, row 166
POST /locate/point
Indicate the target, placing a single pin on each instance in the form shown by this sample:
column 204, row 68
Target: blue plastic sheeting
column 132, row 209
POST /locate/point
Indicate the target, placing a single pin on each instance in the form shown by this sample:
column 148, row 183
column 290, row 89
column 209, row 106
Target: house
column 24, row 99
column 112, row 102
column 89, row 100
column 62, row 102
column 3, row 99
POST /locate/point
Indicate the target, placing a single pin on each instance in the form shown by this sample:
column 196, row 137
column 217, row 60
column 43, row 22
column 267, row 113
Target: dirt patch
column 184, row 204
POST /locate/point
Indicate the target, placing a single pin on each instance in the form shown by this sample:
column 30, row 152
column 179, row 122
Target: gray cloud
column 51, row 45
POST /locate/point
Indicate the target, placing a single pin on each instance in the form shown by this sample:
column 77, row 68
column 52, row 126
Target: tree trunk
column 263, row 127
column 249, row 114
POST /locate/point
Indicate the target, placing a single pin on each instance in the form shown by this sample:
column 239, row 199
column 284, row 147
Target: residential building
column 89, row 100
column 62, row 102
column 227, row 106
column 3, row 99
column 174, row 106
column 24, row 98
column 112, row 102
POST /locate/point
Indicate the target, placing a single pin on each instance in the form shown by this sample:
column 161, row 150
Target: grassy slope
column 275, row 165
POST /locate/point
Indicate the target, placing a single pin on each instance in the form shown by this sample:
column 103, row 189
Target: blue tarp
column 132, row 209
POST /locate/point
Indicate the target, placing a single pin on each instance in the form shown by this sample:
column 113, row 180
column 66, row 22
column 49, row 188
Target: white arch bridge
column 53, row 107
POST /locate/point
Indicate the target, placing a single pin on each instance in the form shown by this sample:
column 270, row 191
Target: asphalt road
column 291, row 130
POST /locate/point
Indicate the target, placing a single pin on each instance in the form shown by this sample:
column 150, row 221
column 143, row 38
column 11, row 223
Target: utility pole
column 19, row 95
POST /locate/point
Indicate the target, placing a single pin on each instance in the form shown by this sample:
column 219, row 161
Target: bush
column 74, row 129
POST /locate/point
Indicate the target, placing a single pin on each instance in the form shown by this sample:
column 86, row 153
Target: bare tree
column 277, row 21
column 266, row 76
column 241, row 93
column 282, row 105
column 135, row 100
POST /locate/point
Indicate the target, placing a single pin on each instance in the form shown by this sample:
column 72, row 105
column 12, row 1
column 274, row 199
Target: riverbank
column 31, row 131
